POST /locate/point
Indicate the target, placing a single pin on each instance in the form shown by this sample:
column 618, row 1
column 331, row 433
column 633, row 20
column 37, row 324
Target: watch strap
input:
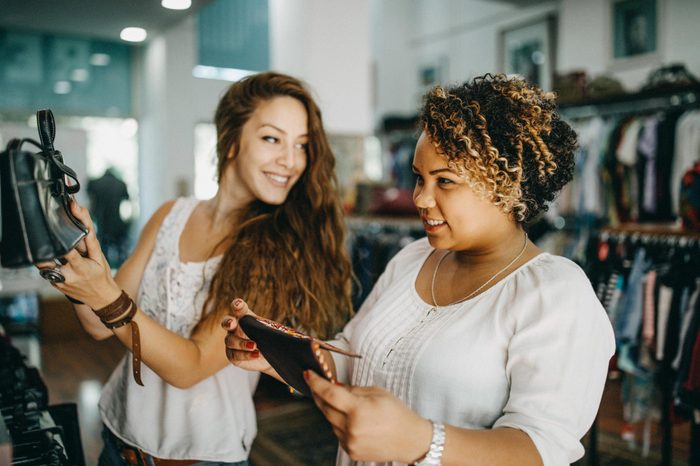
column 437, row 446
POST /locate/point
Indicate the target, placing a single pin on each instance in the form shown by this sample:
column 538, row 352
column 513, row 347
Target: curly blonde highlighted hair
column 507, row 137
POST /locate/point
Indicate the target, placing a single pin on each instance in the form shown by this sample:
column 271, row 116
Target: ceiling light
column 79, row 75
column 133, row 34
column 62, row 87
column 224, row 74
column 176, row 4
column 99, row 59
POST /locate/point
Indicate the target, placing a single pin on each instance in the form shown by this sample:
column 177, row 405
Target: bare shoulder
column 156, row 220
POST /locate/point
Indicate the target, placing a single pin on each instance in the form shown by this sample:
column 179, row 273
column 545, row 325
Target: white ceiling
column 102, row 19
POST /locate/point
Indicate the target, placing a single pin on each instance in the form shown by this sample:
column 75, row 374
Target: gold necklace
column 432, row 283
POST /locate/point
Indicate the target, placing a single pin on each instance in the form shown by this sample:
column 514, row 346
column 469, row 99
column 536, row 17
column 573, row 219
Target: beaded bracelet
column 117, row 314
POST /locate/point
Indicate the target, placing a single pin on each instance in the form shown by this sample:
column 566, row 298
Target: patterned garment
column 176, row 302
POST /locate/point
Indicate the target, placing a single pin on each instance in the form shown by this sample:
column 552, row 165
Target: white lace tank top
column 215, row 419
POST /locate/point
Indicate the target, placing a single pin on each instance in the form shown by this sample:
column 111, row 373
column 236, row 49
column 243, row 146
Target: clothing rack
column 371, row 242
column 657, row 235
column 681, row 98
column 666, row 233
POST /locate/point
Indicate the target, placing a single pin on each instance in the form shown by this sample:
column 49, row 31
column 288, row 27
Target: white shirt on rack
column 215, row 419
column 530, row 353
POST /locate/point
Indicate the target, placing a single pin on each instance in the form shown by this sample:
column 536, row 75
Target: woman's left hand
column 88, row 277
column 371, row 424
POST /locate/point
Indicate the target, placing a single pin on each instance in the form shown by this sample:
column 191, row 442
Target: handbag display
column 288, row 351
column 35, row 196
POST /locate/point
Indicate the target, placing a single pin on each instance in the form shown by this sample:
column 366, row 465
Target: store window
column 112, row 169
column 70, row 75
column 205, row 184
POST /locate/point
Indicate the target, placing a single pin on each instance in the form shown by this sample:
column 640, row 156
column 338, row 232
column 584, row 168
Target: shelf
column 681, row 98
column 653, row 229
column 407, row 220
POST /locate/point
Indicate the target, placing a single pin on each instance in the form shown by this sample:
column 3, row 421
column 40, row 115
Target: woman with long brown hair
column 273, row 233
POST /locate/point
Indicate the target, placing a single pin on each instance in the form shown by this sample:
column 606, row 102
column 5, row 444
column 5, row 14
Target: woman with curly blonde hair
column 477, row 347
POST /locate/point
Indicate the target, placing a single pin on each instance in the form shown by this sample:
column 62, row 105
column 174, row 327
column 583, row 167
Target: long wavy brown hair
column 507, row 136
column 287, row 261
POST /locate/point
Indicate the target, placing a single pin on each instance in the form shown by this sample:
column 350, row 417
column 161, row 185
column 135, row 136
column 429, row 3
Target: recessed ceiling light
column 133, row 34
column 176, row 4
column 99, row 59
column 79, row 75
column 62, row 87
column 224, row 74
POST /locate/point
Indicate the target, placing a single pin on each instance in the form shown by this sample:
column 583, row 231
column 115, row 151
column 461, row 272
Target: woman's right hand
column 240, row 350
column 87, row 276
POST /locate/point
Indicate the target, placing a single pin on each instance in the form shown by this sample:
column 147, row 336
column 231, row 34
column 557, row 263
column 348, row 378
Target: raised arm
column 128, row 278
column 180, row 361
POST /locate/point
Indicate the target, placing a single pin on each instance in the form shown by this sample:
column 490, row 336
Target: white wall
column 585, row 37
column 392, row 59
column 327, row 44
column 465, row 34
column 462, row 37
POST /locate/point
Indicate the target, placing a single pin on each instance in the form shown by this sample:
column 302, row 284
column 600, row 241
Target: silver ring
column 53, row 275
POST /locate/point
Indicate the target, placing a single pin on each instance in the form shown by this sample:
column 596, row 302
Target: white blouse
column 530, row 353
column 213, row 420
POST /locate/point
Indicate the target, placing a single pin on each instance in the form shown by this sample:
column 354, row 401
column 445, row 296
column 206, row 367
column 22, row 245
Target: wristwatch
column 437, row 445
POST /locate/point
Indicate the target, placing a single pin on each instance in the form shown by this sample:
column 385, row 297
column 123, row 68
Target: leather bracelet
column 116, row 310
column 123, row 320
column 437, row 446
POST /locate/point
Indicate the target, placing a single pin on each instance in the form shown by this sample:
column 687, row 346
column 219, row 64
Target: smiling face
column 453, row 215
column 271, row 156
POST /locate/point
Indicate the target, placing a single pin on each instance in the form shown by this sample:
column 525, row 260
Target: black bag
column 37, row 224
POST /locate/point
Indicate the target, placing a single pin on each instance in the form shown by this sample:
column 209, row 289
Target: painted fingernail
column 250, row 345
column 226, row 322
column 255, row 354
column 306, row 374
column 238, row 302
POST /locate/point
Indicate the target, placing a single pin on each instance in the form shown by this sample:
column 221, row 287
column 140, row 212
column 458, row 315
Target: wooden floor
column 75, row 367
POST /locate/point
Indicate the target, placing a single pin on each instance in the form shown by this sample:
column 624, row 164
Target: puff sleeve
column 557, row 361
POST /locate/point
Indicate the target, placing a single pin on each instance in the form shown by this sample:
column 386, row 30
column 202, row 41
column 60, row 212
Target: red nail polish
column 250, row 345
column 255, row 354
column 306, row 375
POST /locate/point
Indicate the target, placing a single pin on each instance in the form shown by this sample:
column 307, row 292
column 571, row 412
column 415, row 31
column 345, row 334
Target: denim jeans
column 110, row 455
